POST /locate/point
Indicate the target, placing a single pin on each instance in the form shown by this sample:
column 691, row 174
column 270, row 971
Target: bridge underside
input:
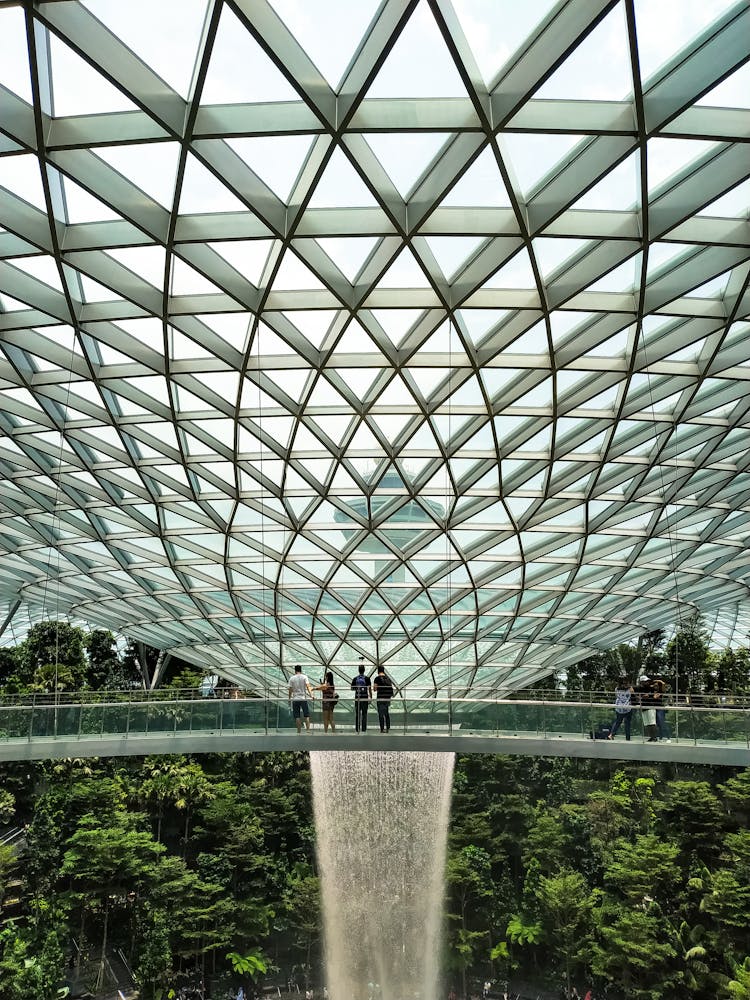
column 572, row 745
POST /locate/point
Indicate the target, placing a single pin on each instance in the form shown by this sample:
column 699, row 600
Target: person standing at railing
column 645, row 692
column 661, row 698
column 362, row 688
column 328, row 701
column 383, row 694
column 623, row 708
column 299, row 688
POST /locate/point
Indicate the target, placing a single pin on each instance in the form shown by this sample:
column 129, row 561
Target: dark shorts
column 300, row 708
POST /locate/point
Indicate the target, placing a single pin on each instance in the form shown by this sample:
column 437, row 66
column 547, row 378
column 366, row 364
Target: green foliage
column 739, row 987
column 250, row 964
column 103, row 666
column 53, row 653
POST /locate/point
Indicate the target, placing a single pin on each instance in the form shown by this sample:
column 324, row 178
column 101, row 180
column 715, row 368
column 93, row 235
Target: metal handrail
column 418, row 697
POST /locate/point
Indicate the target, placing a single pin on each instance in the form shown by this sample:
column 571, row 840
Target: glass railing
column 416, row 711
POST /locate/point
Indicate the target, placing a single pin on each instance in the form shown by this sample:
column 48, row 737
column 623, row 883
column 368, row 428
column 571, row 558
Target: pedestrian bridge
column 168, row 721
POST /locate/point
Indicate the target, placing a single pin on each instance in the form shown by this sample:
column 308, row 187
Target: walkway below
column 119, row 724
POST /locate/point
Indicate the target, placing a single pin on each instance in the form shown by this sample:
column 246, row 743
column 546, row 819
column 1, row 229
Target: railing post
column 127, row 716
column 450, row 711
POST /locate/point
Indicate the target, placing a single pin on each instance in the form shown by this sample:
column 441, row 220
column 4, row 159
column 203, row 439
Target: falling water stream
column 381, row 821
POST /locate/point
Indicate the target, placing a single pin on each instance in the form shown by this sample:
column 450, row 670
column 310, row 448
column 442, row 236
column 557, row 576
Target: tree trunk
column 464, row 994
column 100, row 973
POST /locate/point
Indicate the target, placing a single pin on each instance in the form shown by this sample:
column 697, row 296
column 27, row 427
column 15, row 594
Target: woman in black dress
column 328, row 701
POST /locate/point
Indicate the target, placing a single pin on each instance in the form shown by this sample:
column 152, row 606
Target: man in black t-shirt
column 362, row 688
column 383, row 695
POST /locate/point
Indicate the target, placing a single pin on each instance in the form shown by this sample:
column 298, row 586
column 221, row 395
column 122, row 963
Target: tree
column 192, row 789
column 546, row 841
column 105, row 865
column 102, row 656
column 644, row 870
column 688, row 654
column 468, row 880
column 693, row 811
column 565, row 906
column 53, row 653
column 631, row 951
column 153, row 953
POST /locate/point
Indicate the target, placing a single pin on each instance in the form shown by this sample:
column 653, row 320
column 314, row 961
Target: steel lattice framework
column 438, row 356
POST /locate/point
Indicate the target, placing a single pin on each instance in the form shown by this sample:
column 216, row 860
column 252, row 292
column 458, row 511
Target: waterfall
column 381, row 821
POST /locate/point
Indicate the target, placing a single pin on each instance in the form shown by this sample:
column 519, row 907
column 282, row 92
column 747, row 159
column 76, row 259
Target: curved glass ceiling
column 414, row 331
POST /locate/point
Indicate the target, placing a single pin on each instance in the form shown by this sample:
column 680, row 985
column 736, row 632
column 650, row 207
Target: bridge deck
column 115, row 724
column 560, row 745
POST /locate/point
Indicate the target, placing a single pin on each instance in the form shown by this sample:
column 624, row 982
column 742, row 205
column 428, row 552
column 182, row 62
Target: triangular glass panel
column 496, row 30
column 598, row 69
column 8, row 304
column 533, row 156
column 79, row 89
column 452, row 252
column 713, row 289
column 94, row 292
column 203, row 192
column 618, row 189
column 276, row 159
column 313, row 324
column 247, row 257
column 348, row 253
column 341, row 20
column 516, row 273
column 147, row 262
column 14, row 53
column 396, row 393
column 419, row 64
column 623, row 278
column 291, row 380
column 151, row 166
column 482, row 186
column 667, row 157
column 42, row 267
column 533, row 341
column 733, row 92
column 405, row 156
column 397, row 322
column 145, row 27
column 661, row 36
column 187, row 281
column 84, row 207
column 340, row 186
column 20, row 175
column 293, row 274
column 404, row 272
column 551, row 253
column 240, row 72
column 735, row 204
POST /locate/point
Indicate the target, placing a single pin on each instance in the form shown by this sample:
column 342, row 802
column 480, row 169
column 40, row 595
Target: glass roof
column 430, row 347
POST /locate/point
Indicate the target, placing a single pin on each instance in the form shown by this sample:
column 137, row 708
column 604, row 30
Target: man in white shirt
column 299, row 688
